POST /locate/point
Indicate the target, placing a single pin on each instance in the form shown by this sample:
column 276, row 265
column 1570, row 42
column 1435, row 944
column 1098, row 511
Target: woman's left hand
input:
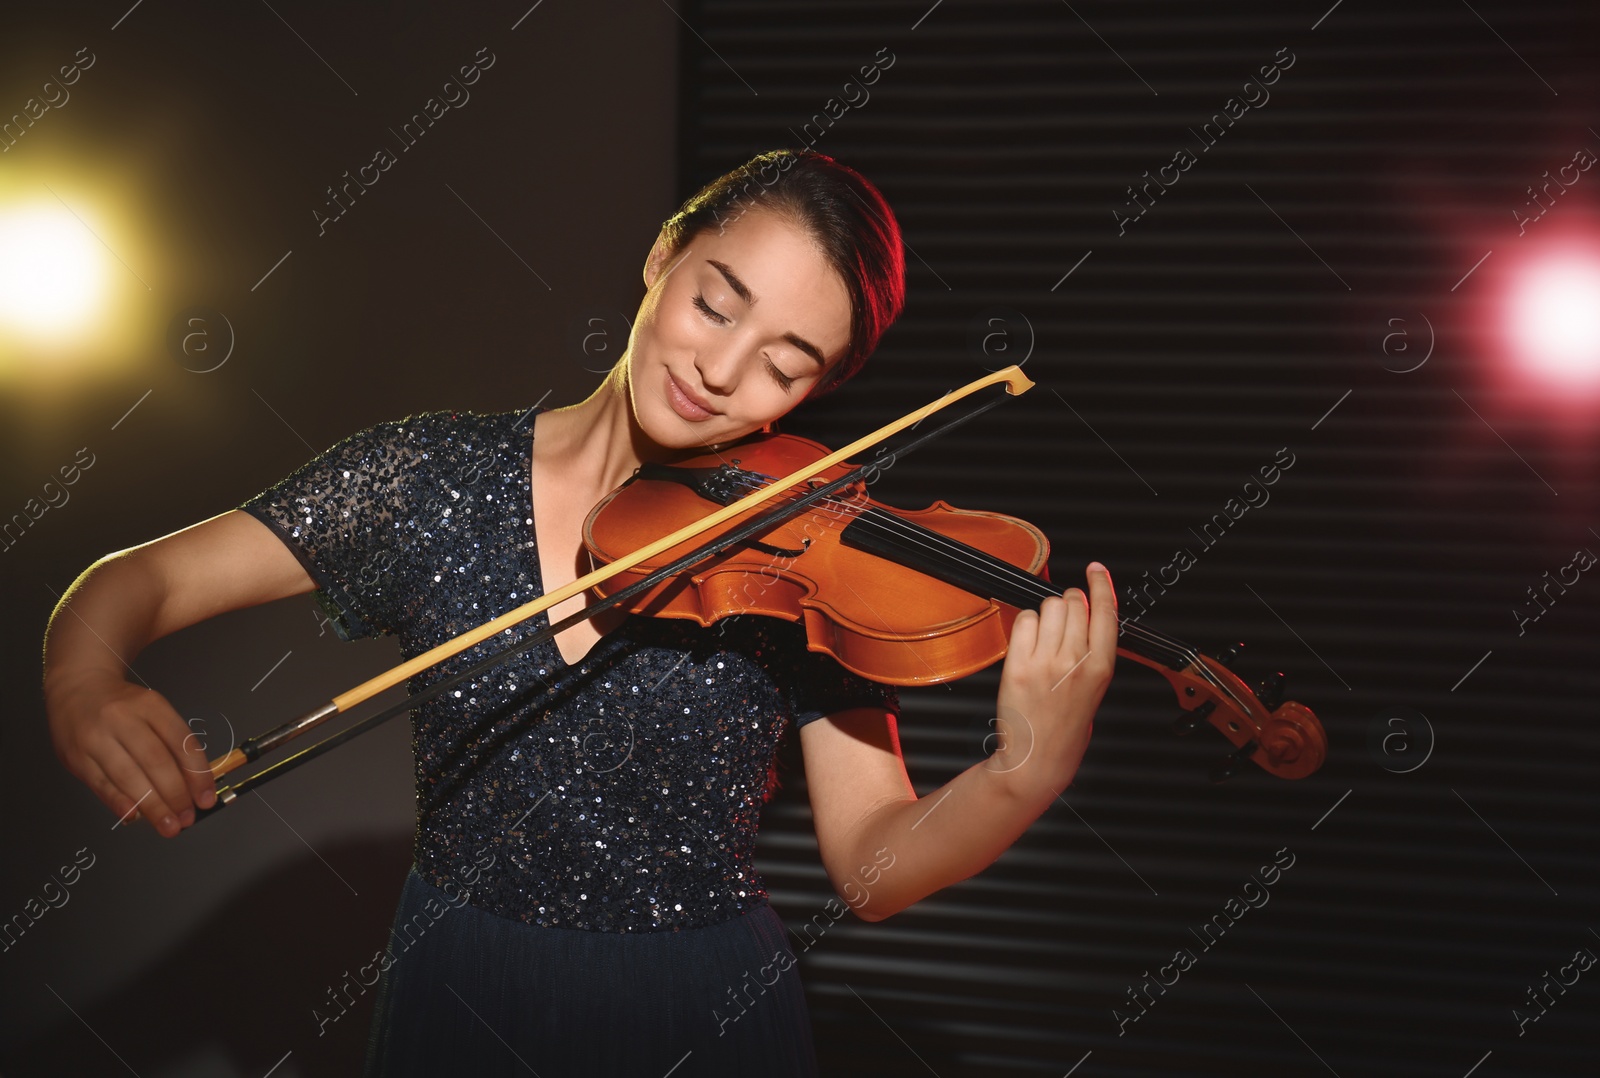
column 1058, row 666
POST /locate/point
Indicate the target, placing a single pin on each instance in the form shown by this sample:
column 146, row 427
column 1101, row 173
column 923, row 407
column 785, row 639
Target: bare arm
column 883, row 847
column 125, row 742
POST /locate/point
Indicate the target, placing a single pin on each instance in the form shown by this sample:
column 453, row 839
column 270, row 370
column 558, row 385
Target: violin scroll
column 1283, row 737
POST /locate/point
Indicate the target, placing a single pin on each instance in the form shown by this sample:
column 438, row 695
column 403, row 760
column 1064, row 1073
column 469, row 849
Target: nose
column 719, row 367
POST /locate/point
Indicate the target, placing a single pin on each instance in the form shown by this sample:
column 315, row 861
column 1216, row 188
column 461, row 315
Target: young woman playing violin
column 583, row 898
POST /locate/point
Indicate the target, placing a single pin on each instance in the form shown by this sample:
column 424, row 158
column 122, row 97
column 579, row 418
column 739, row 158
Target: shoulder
column 454, row 438
column 408, row 457
column 445, row 428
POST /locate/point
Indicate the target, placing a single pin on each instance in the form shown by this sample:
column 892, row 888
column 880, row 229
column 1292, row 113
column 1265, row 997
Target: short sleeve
column 815, row 684
column 340, row 513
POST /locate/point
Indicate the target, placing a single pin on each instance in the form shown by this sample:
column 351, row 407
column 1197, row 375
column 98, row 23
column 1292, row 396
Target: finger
column 1102, row 610
column 1024, row 634
column 1053, row 614
column 134, row 784
column 188, row 748
column 153, row 755
column 1075, row 638
column 94, row 777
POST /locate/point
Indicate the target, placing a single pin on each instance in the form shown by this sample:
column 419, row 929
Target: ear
column 657, row 262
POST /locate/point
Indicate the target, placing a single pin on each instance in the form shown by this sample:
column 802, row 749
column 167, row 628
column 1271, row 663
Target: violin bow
column 1013, row 380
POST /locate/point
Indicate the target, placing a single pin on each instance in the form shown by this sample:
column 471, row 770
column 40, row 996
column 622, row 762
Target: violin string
column 911, row 534
column 885, row 522
column 914, row 534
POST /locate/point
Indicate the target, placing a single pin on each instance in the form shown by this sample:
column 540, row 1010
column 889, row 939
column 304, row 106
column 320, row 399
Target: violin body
column 914, row 597
column 881, row 619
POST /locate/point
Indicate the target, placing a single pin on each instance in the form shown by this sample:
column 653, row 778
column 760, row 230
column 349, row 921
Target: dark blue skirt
column 469, row 992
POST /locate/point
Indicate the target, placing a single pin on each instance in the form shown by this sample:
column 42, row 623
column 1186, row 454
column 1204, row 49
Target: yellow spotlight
column 52, row 271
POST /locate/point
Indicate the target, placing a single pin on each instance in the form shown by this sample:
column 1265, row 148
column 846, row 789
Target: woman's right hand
column 131, row 748
column 125, row 742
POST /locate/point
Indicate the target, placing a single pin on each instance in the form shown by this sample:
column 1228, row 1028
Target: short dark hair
column 840, row 210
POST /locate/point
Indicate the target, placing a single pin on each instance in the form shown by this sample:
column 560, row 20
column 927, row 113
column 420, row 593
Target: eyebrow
column 744, row 293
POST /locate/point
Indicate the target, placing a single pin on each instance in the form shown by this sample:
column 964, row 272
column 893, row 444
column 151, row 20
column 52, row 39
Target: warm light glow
column 1553, row 318
column 52, row 272
column 97, row 255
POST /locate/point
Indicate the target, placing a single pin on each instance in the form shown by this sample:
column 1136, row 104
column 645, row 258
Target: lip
column 685, row 403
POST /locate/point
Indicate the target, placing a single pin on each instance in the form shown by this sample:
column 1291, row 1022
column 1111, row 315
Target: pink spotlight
column 1552, row 318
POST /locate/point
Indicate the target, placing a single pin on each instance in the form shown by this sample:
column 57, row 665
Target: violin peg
column 1230, row 653
column 1188, row 722
column 1224, row 768
column 1270, row 692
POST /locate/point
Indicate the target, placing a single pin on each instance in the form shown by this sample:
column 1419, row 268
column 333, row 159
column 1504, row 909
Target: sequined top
column 619, row 795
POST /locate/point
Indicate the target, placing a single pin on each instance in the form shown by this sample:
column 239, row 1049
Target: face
column 733, row 332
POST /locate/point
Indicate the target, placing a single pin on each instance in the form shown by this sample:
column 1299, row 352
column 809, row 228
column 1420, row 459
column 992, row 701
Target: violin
column 904, row 597
column 907, row 597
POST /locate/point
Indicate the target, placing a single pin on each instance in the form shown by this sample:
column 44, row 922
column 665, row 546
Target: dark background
column 1436, row 876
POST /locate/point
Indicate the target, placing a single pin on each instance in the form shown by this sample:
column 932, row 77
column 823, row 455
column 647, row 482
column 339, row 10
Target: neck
column 598, row 442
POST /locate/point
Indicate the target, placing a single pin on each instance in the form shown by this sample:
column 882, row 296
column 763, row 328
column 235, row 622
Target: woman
column 583, row 898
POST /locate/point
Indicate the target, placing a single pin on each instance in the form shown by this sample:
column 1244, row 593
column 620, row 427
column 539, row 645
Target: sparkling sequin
column 622, row 794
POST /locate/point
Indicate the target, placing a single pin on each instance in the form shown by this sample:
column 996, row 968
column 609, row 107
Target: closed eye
column 783, row 380
column 700, row 302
